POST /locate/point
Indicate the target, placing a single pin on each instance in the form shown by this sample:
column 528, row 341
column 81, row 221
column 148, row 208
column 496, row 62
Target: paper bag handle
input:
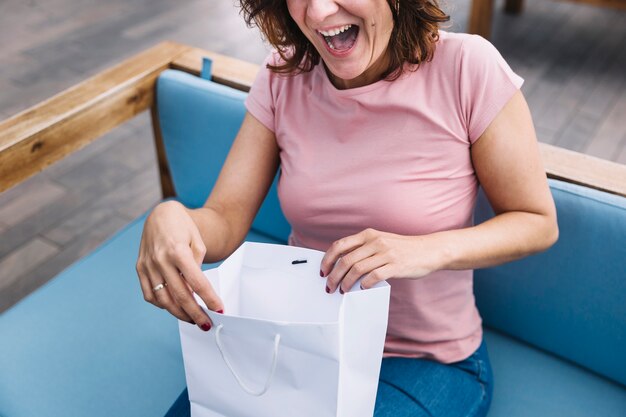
column 242, row 384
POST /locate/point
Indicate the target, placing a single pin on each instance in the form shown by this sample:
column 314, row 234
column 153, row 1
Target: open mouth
column 341, row 39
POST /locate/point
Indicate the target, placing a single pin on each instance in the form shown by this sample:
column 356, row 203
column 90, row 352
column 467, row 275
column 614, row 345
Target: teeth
column 336, row 31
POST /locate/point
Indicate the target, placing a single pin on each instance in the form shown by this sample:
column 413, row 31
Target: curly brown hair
column 415, row 32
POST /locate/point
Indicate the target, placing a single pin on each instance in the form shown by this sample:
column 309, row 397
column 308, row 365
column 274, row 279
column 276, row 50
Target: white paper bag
column 284, row 347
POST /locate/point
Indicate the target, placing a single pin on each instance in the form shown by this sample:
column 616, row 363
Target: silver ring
column 159, row 287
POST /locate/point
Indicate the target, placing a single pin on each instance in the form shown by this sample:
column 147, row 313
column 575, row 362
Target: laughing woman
column 383, row 126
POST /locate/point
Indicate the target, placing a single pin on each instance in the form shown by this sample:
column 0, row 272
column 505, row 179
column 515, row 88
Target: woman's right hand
column 172, row 246
column 168, row 266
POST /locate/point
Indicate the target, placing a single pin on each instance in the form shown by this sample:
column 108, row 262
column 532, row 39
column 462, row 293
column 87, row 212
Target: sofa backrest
column 571, row 299
column 199, row 120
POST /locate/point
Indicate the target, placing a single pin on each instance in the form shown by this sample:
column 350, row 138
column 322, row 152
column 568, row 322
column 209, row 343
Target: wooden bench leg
column 514, row 6
column 480, row 18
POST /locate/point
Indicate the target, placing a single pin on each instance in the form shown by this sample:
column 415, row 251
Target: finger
column 360, row 269
column 183, row 297
column 200, row 285
column 345, row 263
column 146, row 286
column 379, row 274
column 338, row 248
column 164, row 298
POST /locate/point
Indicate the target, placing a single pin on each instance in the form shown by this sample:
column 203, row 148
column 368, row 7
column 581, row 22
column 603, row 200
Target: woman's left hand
column 378, row 256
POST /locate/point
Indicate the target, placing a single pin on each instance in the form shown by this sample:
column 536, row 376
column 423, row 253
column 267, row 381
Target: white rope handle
column 242, row 384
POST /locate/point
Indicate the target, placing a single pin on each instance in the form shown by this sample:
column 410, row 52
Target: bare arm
column 242, row 185
column 176, row 240
column 508, row 165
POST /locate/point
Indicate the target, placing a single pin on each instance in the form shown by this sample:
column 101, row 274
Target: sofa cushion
column 199, row 120
column 87, row 344
column 568, row 300
column 529, row 383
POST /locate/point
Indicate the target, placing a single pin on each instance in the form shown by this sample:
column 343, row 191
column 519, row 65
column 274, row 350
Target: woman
column 383, row 127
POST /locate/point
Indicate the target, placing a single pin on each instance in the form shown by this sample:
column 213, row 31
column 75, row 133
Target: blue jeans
column 418, row 387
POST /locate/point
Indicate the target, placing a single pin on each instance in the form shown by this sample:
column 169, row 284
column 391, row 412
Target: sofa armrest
column 54, row 128
column 229, row 71
column 589, row 171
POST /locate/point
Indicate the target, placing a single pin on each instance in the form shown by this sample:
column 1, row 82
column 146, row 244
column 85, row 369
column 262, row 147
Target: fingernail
column 220, row 311
column 341, row 290
column 327, row 289
column 206, row 327
column 321, row 274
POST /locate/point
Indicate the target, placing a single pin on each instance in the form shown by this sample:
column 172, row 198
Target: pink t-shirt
column 393, row 156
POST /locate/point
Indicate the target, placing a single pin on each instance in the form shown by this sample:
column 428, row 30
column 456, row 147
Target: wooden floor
column 573, row 58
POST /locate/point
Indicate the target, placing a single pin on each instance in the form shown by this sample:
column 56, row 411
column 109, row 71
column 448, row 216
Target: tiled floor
column 573, row 58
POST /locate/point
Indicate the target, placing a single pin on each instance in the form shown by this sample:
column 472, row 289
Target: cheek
column 385, row 19
column 297, row 11
column 383, row 31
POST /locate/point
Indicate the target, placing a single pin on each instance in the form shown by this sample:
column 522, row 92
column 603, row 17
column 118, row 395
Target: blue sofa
column 86, row 344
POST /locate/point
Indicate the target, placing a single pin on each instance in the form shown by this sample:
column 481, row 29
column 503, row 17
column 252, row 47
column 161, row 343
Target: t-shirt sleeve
column 260, row 100
column 486, row 84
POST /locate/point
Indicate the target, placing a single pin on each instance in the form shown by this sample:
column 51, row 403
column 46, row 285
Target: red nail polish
column 327, row 289
column 220, row 311
column 206, row 327
column 341, row 291
column 321, row 274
